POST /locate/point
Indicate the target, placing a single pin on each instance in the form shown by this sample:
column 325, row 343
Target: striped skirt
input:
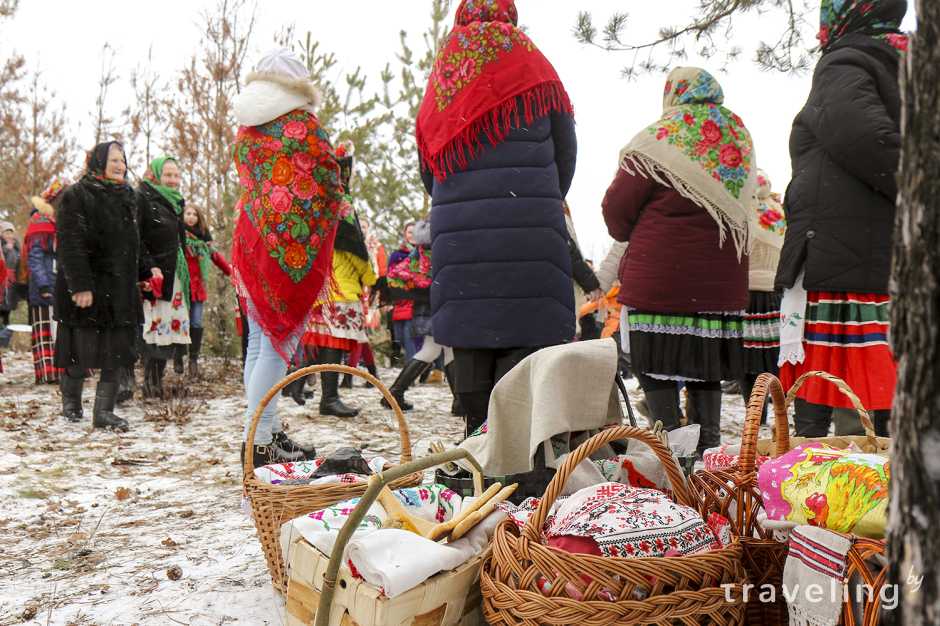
column 846, row 334
column 43, row 345
column 762, row 333
column 687, row 346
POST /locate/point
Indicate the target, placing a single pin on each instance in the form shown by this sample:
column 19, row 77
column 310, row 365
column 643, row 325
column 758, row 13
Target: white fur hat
column 279, row 84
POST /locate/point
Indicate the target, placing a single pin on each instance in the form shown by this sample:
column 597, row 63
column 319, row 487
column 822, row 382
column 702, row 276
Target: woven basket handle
column 376, row 483
column 534, row 525
column 863, row 415
column 403, row 434
column 766, row 385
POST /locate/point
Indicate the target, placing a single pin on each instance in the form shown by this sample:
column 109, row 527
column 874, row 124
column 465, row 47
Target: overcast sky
column 65, row 38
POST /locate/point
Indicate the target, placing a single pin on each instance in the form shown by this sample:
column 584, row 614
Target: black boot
column 330, row 403
column 295, row 391
column 347, row 382
column 178, row 351
column 375, row 373
column 272, row 453
column 289, row 447
column 153, row 379
column 663, row 406
column 125, row 385
column 707, row 403
column 104, row 417
column 450, row 374
column 412, row 370
column 195, row 335
column 159, row 366
column 71, row 389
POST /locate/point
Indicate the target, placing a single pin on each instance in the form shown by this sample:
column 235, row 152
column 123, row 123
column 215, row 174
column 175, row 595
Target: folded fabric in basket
column 725, row 457
column 397, row 560
column 841, row 490
column 302, row 472
column 435, row 503
column 814, row 576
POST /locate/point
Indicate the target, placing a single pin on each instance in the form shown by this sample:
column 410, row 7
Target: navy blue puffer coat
column 502, row 264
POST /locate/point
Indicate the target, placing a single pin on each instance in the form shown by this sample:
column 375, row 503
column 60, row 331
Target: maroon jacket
column 673, row 263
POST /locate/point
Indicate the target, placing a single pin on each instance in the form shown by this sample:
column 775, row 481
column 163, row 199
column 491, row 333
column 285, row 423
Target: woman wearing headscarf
column 683, row 198
column 338, row 322
column 836, row 260
column 282, row 254
column 10, row 249
column 166, row 304
column 39, row 244
column 497, row 146
column 97, row 299
column 762, row 318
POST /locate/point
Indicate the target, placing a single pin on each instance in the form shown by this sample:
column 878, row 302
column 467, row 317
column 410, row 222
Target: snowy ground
column 90, row 522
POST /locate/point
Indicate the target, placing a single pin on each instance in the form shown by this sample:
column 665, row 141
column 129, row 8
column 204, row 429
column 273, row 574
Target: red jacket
column 673, row 263
column 197, row 282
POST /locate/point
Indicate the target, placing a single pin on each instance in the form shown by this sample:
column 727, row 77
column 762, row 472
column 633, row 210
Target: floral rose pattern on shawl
column 770, row 214
column 291, row 203
column 413, row 272
column 880, row 19
column 487, row 76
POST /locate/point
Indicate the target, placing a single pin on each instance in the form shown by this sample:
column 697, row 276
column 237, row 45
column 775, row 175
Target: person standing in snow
column 166, row 305
column 289, row 176
column 40, row 278
column 199, row 253
column 497, row 178
column 683, row 198
column 97, row 299
column 762, row 319
column 836, row 259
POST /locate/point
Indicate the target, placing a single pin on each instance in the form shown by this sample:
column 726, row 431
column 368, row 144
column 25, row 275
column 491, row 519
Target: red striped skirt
column 846, row 334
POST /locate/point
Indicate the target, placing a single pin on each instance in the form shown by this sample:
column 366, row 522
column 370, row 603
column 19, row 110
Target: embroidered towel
column 814, row 576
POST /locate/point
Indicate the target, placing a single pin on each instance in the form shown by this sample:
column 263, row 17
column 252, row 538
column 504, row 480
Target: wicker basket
column 689, row 590
column 272, row 505
column 734, row 493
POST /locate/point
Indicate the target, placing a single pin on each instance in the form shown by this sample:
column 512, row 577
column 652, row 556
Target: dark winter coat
column 845, row 148
column 98, row 246
column 11, row 256
column 502, row 265
column 161, row 234
column 41, row 262
column 673, row 263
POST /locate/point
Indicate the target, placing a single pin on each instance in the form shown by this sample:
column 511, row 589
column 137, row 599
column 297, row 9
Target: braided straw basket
column 688, row 590
column 734, row 493
column 273, row 505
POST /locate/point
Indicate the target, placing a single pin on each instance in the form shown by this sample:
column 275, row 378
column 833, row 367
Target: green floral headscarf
column 879, row 19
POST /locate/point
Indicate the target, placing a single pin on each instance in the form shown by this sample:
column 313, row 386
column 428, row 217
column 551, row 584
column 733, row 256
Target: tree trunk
column 914, row 530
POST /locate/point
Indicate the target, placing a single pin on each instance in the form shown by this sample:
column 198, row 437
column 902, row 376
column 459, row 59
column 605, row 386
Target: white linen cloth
column 793, row 323
column 814, row 576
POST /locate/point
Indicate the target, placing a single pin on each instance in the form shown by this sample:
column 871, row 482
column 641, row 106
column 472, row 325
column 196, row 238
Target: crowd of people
column 712, row 277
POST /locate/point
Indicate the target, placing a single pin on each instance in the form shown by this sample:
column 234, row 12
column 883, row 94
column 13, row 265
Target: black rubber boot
column 150, row 379
column 347, row 382
column 178, row 352
column 159, row 371
column 104, row 417
column 195, row 334
column 295, row 390
column 450, row 372
column 412, row 370
column 330, row 403
column 811, row 420
column 374, row 371
column 125, row 385
column 71, row 389
column 707, row 403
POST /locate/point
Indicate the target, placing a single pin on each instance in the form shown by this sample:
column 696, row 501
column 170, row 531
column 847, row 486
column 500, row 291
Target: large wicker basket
column 734, row 493
column 689, row 590
column 273, row 505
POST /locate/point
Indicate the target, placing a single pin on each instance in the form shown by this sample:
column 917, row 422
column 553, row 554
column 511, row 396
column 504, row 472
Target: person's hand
column 596, row 295
column 83, row 299
column 155, row 272
column 45, row 295
column 145, row 286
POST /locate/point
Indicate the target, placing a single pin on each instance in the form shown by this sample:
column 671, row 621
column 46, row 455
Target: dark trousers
column 476, row 372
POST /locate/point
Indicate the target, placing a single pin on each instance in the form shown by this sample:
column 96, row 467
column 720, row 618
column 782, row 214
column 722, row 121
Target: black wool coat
column 162, row 233
column 98, row 251
column 845, row 147
column 501, row 256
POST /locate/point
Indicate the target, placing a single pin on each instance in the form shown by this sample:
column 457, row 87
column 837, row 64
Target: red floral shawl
column 290, row 204
column 485, row 69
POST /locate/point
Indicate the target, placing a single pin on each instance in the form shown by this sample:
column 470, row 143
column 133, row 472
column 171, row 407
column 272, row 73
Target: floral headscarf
column 880, row 19
column 770, row 215
column 487, row 75
column 702, row 150
column 290, row 205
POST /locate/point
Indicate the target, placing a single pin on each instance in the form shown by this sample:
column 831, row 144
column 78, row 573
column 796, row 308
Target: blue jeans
column 264, row 368
column 195, row 314
column 404, row 334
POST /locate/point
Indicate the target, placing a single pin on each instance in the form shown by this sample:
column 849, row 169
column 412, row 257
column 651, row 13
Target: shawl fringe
column 637, row 163
column 299, row 86
column 495, row 125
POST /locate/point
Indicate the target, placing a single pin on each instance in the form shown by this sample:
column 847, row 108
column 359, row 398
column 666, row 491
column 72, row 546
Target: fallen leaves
column 174, row 573
column 169, row 543
column 122, row 493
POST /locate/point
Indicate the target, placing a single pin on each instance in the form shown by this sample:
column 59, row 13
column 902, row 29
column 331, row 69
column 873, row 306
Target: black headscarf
column 349, row 237
column 98, row 160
